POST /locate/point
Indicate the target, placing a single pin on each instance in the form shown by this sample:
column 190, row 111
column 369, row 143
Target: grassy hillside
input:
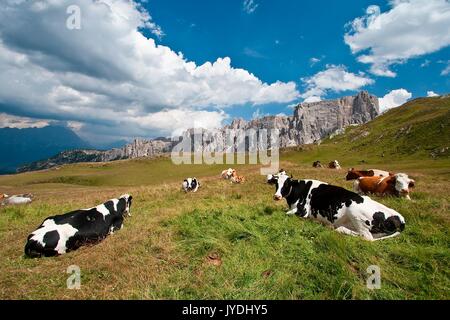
column 420, row 129
column 233, row 241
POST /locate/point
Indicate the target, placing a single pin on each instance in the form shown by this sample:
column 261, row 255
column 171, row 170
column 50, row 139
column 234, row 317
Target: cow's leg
column 387, row 236
column 351, row 224
column 294, row 208
column 116, row 225
column 356, row 187
column 361, row 227
column 342, row 221
column 346, row 231
column 292, row 211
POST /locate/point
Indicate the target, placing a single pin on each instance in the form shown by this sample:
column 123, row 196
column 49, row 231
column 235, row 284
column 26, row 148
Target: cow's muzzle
column 277, row 197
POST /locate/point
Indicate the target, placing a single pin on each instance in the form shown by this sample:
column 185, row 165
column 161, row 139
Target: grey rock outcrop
column 309, row 123
column 314, row 121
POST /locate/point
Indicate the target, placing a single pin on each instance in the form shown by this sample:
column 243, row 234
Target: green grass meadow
column 232, row 241
column 226, row 241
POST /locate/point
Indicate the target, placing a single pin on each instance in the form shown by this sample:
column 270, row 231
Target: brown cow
column 334, row 165
column 237, row 179
column 399, row 185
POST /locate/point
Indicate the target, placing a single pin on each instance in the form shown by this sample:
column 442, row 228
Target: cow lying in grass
column 334, row 165
column 227, row 174
column 399, row 185
column 235, row 178
column 15, row 199
column 62, row 233
column 346, row 211
column 190, row 185
column 317, row 164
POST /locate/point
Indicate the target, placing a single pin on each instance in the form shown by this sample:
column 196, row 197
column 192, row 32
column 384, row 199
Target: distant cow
column 191, row 185
column 398, row 184
column 227, row 174
column 334, row 165
column 317, row 164
column 16, row 199
column 63, row 233
column 235, row 178
column 353, row 174
column 346, row 211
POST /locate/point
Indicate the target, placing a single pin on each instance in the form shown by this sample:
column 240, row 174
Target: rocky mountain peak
column 309, row 123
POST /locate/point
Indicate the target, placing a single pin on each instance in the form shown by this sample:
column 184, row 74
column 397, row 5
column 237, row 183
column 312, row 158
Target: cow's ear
column 292, row 176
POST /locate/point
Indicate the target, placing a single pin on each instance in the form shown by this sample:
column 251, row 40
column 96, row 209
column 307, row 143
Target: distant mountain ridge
column 309, row 123
column 21, row 146
column 137, row 149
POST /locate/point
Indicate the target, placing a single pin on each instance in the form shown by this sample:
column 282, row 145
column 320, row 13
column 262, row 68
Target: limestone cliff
column 309, row 123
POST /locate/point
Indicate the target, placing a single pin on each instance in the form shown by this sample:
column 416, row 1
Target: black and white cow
column 190, row 184
column 346, row 211
column 63, row 233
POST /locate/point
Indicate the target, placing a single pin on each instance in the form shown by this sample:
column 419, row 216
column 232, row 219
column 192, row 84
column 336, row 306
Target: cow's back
column 67, row 232
column 327, row 200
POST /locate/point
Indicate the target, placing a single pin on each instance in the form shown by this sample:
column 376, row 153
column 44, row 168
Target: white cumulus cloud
column 333, row 79
column 312, row 99
column 432, row 94
column 394, row 99
column 411, row 28
column 109, row 76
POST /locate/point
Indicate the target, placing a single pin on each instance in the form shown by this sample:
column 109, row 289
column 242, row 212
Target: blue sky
column 118, row 69
column 279, row 38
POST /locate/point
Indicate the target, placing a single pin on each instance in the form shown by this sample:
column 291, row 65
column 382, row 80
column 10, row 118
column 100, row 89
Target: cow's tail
column 33, row 249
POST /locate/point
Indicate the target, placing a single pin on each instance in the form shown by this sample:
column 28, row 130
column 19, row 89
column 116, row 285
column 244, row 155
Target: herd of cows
column 348, row 212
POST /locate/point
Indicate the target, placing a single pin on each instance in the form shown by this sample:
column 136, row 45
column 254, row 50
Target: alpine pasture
column 233, row 241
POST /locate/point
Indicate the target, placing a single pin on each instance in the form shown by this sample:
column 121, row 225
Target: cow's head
column 352, row 174
column 282, row 184
column 124, row 205
column 403, row 184
column 273, row 178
